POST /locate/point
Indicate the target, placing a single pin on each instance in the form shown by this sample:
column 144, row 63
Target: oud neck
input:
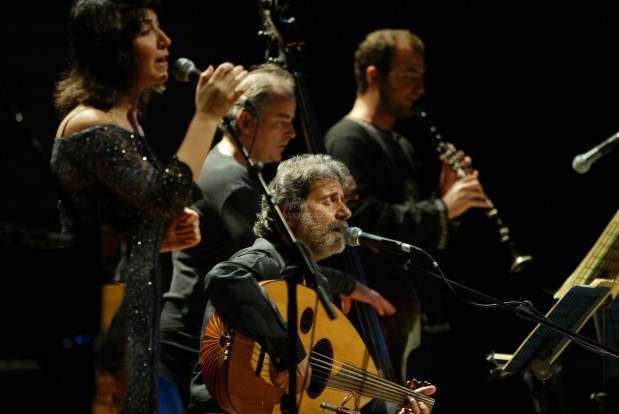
column 352, row 379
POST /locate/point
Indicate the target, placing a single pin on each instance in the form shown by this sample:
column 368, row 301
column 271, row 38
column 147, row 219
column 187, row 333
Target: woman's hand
column 182, row 232
column 219, row 88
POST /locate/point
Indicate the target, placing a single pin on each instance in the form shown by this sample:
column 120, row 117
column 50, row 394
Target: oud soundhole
column 307, row 320
column 321, row 361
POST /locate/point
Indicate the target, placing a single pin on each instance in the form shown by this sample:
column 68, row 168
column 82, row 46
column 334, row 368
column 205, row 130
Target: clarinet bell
column 518, row 261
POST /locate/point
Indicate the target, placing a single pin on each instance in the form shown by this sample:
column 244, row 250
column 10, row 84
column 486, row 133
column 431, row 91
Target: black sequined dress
column 112, row 179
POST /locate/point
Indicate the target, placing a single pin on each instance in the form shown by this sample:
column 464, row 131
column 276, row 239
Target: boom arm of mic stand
column 522, row 311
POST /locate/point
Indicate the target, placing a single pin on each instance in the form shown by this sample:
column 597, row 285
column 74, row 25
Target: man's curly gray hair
column 293, row 182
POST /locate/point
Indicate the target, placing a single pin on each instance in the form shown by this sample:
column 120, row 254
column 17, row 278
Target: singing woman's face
column 151, row 49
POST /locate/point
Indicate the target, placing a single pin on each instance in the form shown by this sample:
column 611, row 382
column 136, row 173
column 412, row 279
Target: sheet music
column 602, row 261
column 571, row 312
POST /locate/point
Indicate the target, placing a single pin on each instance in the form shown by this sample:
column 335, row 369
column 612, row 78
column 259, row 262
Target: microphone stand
column 523, row 310
column 291, row 276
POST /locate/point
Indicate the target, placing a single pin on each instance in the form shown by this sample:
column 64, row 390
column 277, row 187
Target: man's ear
column 372, row 75
column 245, row 121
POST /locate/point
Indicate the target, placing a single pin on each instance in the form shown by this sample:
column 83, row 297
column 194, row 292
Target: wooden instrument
column 236, row 370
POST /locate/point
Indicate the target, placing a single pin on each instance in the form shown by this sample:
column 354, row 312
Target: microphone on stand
column 583, row 162
column 354, row 236
column 184, row 70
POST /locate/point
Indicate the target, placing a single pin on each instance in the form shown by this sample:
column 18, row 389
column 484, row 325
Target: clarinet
column 448, row 151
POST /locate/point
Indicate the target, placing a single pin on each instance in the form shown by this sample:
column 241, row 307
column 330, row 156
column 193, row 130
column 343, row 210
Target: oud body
column 236, row 370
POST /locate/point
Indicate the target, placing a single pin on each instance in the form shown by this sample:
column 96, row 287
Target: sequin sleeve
column 124, row 163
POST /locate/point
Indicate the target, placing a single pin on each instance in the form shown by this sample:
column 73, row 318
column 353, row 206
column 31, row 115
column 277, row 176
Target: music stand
column 588, row 292
column 544, row 345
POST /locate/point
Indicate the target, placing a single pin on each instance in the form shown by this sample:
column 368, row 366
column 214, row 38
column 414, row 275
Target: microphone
column 353, row 236
column 184, row 70
column 583, row 162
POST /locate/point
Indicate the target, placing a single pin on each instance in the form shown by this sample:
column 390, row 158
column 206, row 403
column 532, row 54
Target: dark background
column 521, row 88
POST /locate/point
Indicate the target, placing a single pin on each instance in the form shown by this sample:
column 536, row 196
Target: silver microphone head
column 580, row 164
column 351, row 236
column 184, row 70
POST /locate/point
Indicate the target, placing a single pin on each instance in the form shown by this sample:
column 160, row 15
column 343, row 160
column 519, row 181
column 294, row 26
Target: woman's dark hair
column 101, row 64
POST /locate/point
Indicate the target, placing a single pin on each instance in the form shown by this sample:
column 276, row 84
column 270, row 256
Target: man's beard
column 322, row 242
column 394, row 108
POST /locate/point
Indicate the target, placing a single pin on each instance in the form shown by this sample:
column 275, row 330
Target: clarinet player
column 401, row 196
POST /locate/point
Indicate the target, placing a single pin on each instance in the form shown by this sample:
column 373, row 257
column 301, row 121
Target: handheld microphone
column 353, row 236
column 184, row 70
column 583, row 162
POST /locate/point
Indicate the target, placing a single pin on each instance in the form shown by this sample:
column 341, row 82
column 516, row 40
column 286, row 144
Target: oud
column 344, row 376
